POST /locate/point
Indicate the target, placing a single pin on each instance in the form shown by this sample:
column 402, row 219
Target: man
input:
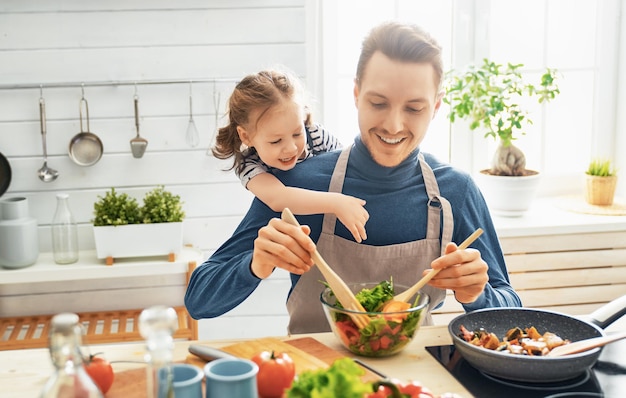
column 417, row 205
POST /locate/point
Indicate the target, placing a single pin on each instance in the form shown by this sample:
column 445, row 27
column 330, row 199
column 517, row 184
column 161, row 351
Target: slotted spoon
column 138, row 144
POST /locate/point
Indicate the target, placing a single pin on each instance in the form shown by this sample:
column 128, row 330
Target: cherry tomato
column 414, row 389
column 382, row 392
column 397, row 388
column 276, row 373
column 100, row 371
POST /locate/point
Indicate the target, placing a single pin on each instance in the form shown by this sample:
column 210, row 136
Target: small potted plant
column 122, row 228
column 488, row 97
column 601, row 180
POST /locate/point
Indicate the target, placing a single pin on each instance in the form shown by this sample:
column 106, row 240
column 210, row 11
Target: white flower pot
column 138, row 240
column 508, row 196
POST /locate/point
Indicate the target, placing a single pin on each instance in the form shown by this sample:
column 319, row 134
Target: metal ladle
column 45, row 173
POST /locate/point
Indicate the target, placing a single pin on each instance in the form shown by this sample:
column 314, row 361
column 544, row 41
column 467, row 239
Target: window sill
column 548, row 216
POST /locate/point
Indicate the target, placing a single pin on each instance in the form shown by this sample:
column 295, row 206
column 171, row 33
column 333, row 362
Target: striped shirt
column 318, row 140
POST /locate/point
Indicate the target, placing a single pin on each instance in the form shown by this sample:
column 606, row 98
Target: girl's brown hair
column 259, row 91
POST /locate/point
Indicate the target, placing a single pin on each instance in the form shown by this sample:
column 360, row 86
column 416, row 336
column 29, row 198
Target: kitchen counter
column 26, row 371
column 555, row 216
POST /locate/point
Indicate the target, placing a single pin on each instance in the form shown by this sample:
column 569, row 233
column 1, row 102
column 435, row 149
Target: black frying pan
column 5, row 174
column 533, row 368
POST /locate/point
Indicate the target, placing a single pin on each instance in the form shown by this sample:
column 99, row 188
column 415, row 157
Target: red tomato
column 382, row 392
column 415, row 390
column 100, row 371
column 276, row 373
column 395, row 387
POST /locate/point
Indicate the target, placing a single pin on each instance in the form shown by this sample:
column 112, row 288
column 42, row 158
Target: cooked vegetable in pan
column 516, row 341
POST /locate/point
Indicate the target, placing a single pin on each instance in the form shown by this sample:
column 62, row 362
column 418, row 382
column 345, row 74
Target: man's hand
column 462, row 271
column 282, row 245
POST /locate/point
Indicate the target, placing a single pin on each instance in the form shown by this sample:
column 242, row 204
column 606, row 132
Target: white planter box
column 138, row 240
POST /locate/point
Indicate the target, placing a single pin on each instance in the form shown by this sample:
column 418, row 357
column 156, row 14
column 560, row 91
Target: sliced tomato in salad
column 348, row 332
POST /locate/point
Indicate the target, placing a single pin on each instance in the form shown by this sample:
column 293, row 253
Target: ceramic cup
column 187, row 381
column 231, row 377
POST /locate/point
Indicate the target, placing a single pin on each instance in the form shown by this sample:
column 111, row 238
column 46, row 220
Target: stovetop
column 607, row 378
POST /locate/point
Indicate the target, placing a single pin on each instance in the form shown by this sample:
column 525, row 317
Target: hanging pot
column 85, row 147
column 5, row 174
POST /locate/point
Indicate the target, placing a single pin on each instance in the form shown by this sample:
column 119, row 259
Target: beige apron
column 355, row 262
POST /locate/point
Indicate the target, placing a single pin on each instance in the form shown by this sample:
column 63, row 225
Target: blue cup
column 186, row 381
column 231, row 377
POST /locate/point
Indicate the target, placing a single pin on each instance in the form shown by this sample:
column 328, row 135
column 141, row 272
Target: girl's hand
column 353, row 215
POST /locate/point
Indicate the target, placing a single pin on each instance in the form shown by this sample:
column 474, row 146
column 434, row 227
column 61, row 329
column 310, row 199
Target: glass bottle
column 64, row 233
column 70, row 379
column 157, row 326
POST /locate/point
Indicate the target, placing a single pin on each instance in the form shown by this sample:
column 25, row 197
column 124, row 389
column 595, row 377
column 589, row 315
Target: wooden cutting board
column 306, row 352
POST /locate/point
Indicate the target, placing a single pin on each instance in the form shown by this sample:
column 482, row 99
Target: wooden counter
column 24, row 372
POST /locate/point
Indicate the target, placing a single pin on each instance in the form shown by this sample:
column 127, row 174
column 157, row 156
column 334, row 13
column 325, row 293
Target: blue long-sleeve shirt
column 396, row 201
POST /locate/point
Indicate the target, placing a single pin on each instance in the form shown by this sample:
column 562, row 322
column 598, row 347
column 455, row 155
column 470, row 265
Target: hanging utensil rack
column 105, row 83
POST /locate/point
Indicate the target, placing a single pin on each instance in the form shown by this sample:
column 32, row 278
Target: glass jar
column 70, row 379
column 157, row 326
column 64, row 233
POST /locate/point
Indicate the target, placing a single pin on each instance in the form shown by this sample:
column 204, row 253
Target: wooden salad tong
column 339, row 287
column 406, row 295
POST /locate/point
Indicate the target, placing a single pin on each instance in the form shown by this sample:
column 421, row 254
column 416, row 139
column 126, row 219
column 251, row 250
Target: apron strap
column 436, row 204
column 336, row 185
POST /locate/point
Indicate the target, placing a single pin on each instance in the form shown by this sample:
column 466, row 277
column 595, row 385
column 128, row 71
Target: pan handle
column 80, row 110
column 608, row 313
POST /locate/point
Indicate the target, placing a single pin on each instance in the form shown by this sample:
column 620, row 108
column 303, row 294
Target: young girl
column 270, row 127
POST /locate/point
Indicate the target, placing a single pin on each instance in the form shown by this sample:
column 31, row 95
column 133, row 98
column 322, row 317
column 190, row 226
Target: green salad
column 341, row 379
column 387, row 332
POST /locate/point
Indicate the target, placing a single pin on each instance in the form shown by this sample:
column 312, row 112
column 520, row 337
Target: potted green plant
column 489, row 96
column 601, row 180
column 122, row 228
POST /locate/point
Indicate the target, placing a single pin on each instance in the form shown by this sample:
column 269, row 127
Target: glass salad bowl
column 390, row 325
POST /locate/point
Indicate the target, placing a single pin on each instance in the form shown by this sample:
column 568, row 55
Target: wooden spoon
column 584, row 345
column 339, row 287
column 406, row 295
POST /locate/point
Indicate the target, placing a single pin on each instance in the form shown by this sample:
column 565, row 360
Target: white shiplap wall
column 61, row 43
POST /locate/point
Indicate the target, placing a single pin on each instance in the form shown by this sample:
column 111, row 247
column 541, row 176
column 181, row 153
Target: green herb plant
column 116, row 209
column 159, row 206
column 488, row 96
column 601, row 168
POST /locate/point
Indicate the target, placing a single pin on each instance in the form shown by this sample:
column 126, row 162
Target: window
column 577, row 37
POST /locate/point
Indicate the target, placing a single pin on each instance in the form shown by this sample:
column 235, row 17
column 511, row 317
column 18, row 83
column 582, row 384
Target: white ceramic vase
column 508, row 196
column 19, row 239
